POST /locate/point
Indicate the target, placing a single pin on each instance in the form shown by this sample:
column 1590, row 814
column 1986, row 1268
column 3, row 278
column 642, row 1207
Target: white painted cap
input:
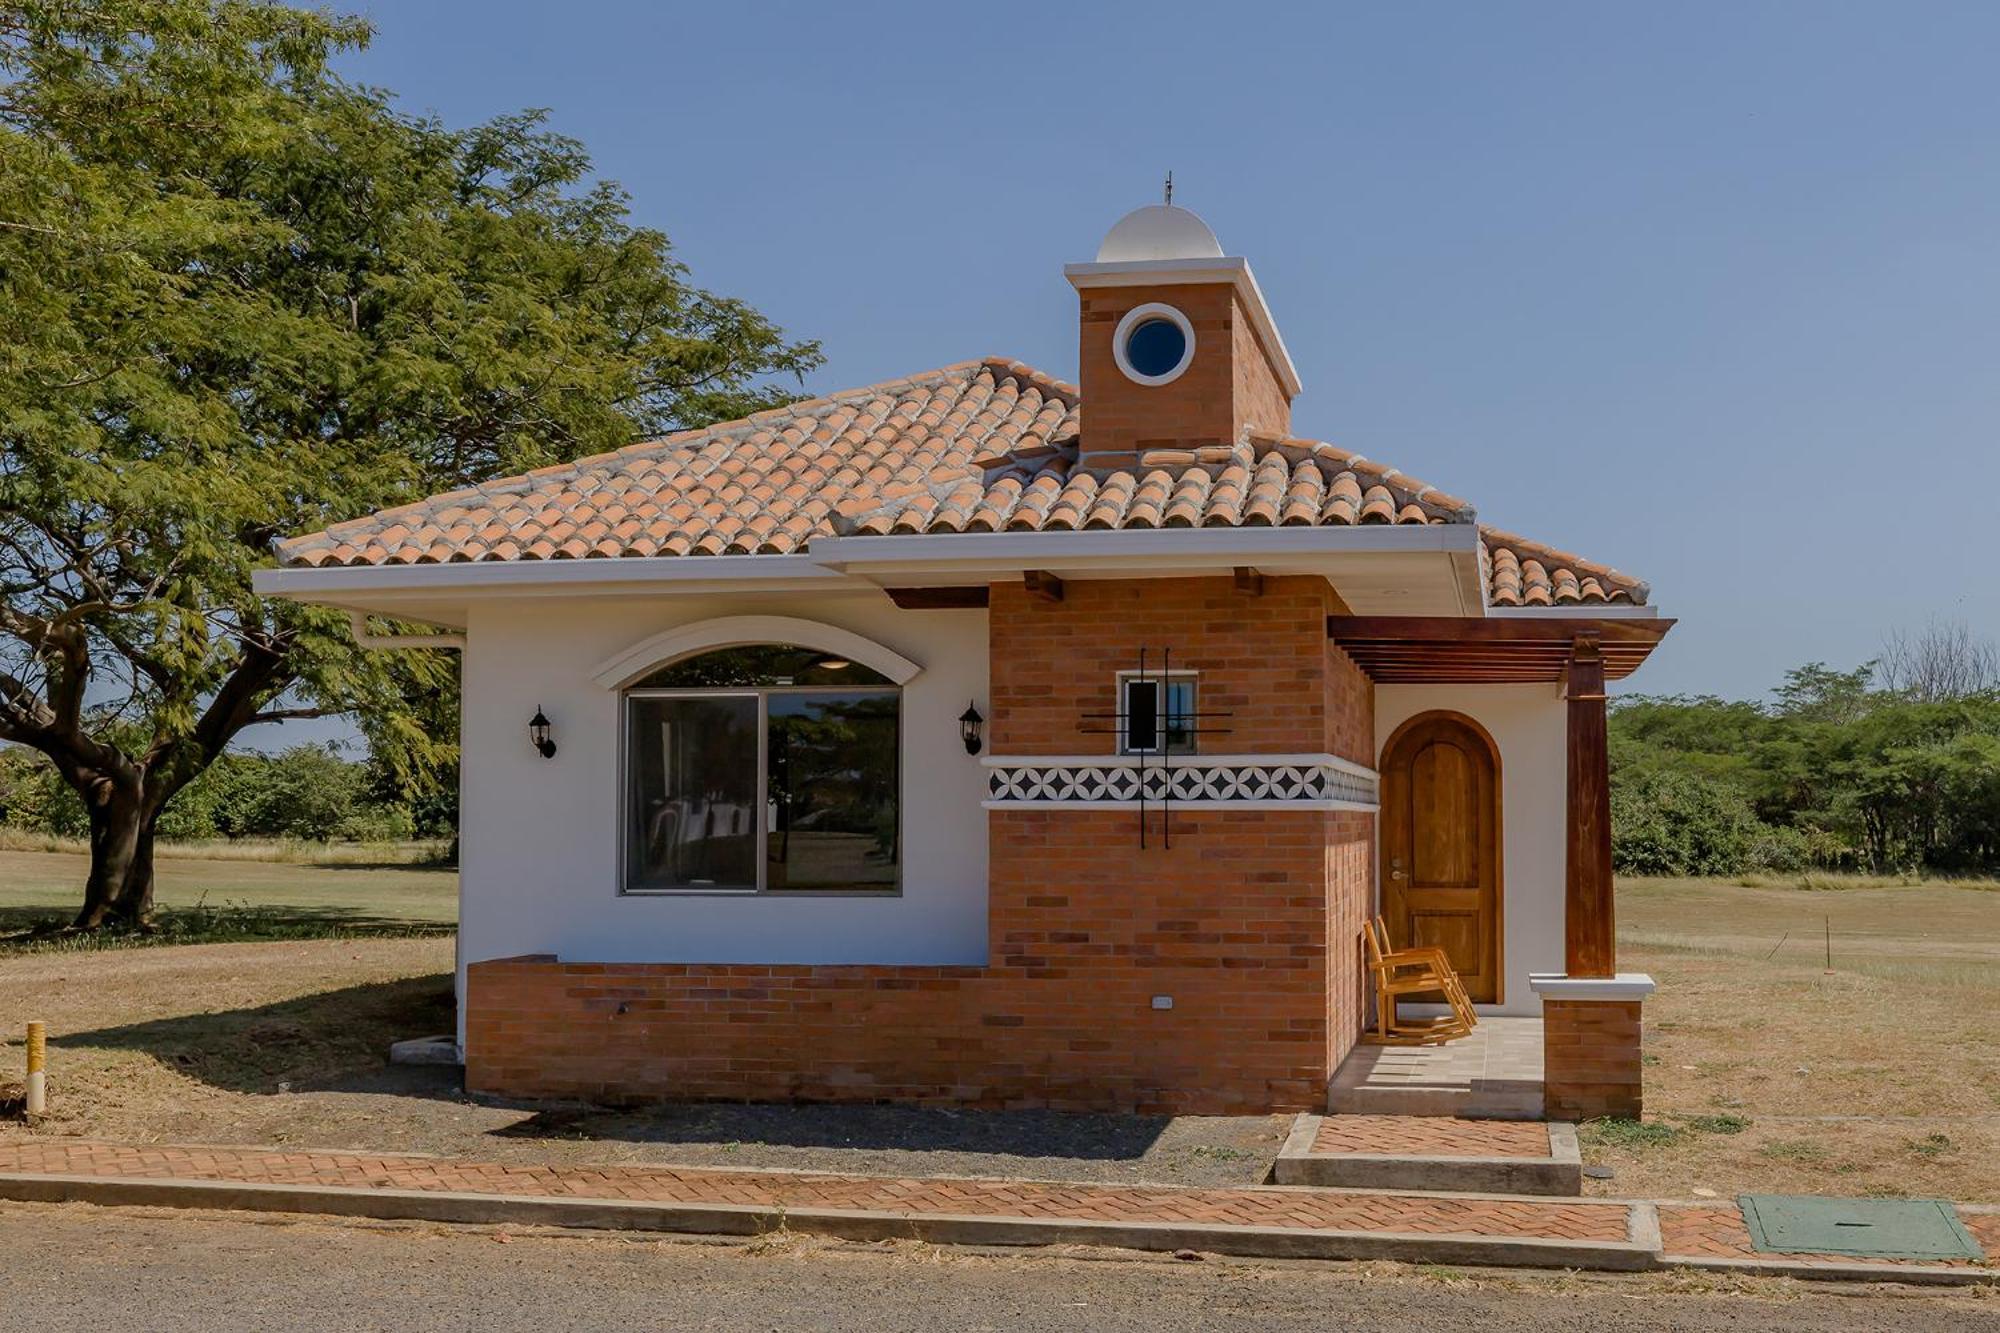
column 1159, row 231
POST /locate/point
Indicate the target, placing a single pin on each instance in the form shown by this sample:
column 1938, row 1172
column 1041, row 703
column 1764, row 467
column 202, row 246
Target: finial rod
column 1170, row 189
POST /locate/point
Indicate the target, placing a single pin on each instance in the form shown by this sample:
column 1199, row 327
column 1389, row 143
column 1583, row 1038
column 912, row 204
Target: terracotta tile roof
column 982, row 446
column 1526, row 573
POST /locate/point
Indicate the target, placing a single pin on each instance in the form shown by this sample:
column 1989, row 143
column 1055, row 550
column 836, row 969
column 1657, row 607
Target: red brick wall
column 1264, row 659
column 1261, row 402
column 1250, row 922
column 1228, row 385
column 1591, row 1054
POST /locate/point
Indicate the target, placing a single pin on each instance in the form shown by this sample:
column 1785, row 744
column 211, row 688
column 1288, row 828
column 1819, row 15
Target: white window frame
column 1140, row 314
column 761, row 693
column 1124, row 710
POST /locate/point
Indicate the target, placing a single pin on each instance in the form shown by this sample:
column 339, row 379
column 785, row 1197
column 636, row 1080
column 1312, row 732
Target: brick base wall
column 1591, row 1059
column 1232, row 924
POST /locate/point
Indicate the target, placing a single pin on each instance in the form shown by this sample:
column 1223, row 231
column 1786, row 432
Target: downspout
column 357, row 624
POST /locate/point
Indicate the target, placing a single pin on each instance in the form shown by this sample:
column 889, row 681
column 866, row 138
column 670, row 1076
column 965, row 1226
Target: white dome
column 1159, row 231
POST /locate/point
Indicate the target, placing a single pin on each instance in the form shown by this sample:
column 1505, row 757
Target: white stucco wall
column 539, row 863
column 1528, row 724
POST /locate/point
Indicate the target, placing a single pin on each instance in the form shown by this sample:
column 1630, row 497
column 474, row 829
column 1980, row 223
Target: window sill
column 760, row 893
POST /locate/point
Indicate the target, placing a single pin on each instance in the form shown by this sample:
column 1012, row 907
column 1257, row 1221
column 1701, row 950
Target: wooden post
column 36, row 1101
column 1589, row 944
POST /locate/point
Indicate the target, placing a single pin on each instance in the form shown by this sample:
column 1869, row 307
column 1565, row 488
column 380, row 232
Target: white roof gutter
column 833, row 564
column 357, row 625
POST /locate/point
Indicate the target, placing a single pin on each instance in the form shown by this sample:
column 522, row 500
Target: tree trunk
column 121, row 848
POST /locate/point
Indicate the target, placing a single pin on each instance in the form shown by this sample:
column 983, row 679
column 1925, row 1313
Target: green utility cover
column 1864, row 1228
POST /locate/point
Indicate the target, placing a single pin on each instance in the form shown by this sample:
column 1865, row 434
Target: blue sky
column 1710, row 292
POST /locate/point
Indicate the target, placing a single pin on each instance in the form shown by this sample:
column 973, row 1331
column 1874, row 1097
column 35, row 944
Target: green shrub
column 1665, row 822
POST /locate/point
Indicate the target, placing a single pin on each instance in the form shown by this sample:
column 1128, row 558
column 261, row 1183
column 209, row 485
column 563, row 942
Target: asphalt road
column 76, row 1267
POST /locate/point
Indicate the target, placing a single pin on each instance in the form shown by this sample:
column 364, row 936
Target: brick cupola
column 1177, row 352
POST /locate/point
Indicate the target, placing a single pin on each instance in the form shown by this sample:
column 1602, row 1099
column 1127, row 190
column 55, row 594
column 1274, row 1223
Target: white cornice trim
column 769, row 572
column 864, row 564
column 1220, row 546
column 1624, row 986
column 1185, row 272
column 623, row 668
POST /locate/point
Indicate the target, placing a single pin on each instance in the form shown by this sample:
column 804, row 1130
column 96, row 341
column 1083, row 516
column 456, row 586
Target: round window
column 1153, row 344
column 1154, row 347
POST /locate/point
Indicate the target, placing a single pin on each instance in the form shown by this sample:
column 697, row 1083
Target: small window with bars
column 1158, row 712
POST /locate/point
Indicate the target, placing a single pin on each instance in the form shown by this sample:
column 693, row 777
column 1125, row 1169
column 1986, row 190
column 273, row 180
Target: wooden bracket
column 939, row 599
column 1043, row 585
column 1249, row 581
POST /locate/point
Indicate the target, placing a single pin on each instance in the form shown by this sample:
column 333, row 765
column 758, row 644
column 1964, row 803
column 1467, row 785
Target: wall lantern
column 538, row 732
column 968, row 728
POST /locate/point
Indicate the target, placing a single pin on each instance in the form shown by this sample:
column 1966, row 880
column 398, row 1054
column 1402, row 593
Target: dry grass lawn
column 1880, row 1078
column 1763, row 1072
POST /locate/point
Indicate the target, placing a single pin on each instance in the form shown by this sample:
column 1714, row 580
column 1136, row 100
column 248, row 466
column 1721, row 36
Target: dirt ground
column 284, row 1043
column 1763, row 1071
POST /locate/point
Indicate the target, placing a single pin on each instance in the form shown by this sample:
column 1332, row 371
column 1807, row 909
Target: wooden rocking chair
column 1414, row 971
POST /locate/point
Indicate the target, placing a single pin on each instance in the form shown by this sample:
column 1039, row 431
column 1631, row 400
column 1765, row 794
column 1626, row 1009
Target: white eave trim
column 1233, row 270
column 1137, row 547
column 864, row 563
column 687, row 572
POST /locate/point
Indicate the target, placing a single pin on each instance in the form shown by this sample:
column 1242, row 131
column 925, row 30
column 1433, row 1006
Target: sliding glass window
column 767, row 769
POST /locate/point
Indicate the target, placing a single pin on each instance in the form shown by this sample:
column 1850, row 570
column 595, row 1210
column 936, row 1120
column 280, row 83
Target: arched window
column 766, row 768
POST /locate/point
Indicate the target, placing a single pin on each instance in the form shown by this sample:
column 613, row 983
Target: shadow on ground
column 333, row 1041
column 918, row 1129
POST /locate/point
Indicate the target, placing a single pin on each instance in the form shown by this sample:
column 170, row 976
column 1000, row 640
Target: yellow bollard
column 38, row 1059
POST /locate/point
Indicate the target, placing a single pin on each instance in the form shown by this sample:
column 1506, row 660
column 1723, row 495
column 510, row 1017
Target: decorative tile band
column 1219, row 782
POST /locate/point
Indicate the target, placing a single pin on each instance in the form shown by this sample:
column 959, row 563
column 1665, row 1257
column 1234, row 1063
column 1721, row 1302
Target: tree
column 241, row 298
column 1943, row 661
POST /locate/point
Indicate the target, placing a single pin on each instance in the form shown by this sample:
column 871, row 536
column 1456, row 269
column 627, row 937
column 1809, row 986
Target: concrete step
column 1432, row 1152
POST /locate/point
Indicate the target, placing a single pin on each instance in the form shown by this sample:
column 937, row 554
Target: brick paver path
column 1270, row 1207
column 1717, row 1231
column 1431, row 1136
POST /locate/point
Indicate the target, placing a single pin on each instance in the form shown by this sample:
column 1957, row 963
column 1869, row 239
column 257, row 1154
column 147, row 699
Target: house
column 981, row 738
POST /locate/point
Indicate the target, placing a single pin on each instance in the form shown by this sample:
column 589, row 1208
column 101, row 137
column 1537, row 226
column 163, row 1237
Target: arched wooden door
column 1441, row 846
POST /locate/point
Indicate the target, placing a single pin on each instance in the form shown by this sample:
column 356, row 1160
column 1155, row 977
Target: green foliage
column 308, row 793
column 1836, row 773
column 241, row 298
column 1673, row 823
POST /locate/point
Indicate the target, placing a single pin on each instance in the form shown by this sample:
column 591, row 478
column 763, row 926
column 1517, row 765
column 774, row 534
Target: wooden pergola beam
column 1401, row 650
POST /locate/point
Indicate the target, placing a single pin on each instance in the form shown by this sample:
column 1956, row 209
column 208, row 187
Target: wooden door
column 1441, row 847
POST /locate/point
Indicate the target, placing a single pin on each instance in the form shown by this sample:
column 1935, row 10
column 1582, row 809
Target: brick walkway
column 1689, row 1232
column 1431, row 1136
column 1717, row 1231
column 1268, row 1207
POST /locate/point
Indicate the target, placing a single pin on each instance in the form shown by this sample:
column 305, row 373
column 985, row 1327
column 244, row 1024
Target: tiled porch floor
column 1495, row 1072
